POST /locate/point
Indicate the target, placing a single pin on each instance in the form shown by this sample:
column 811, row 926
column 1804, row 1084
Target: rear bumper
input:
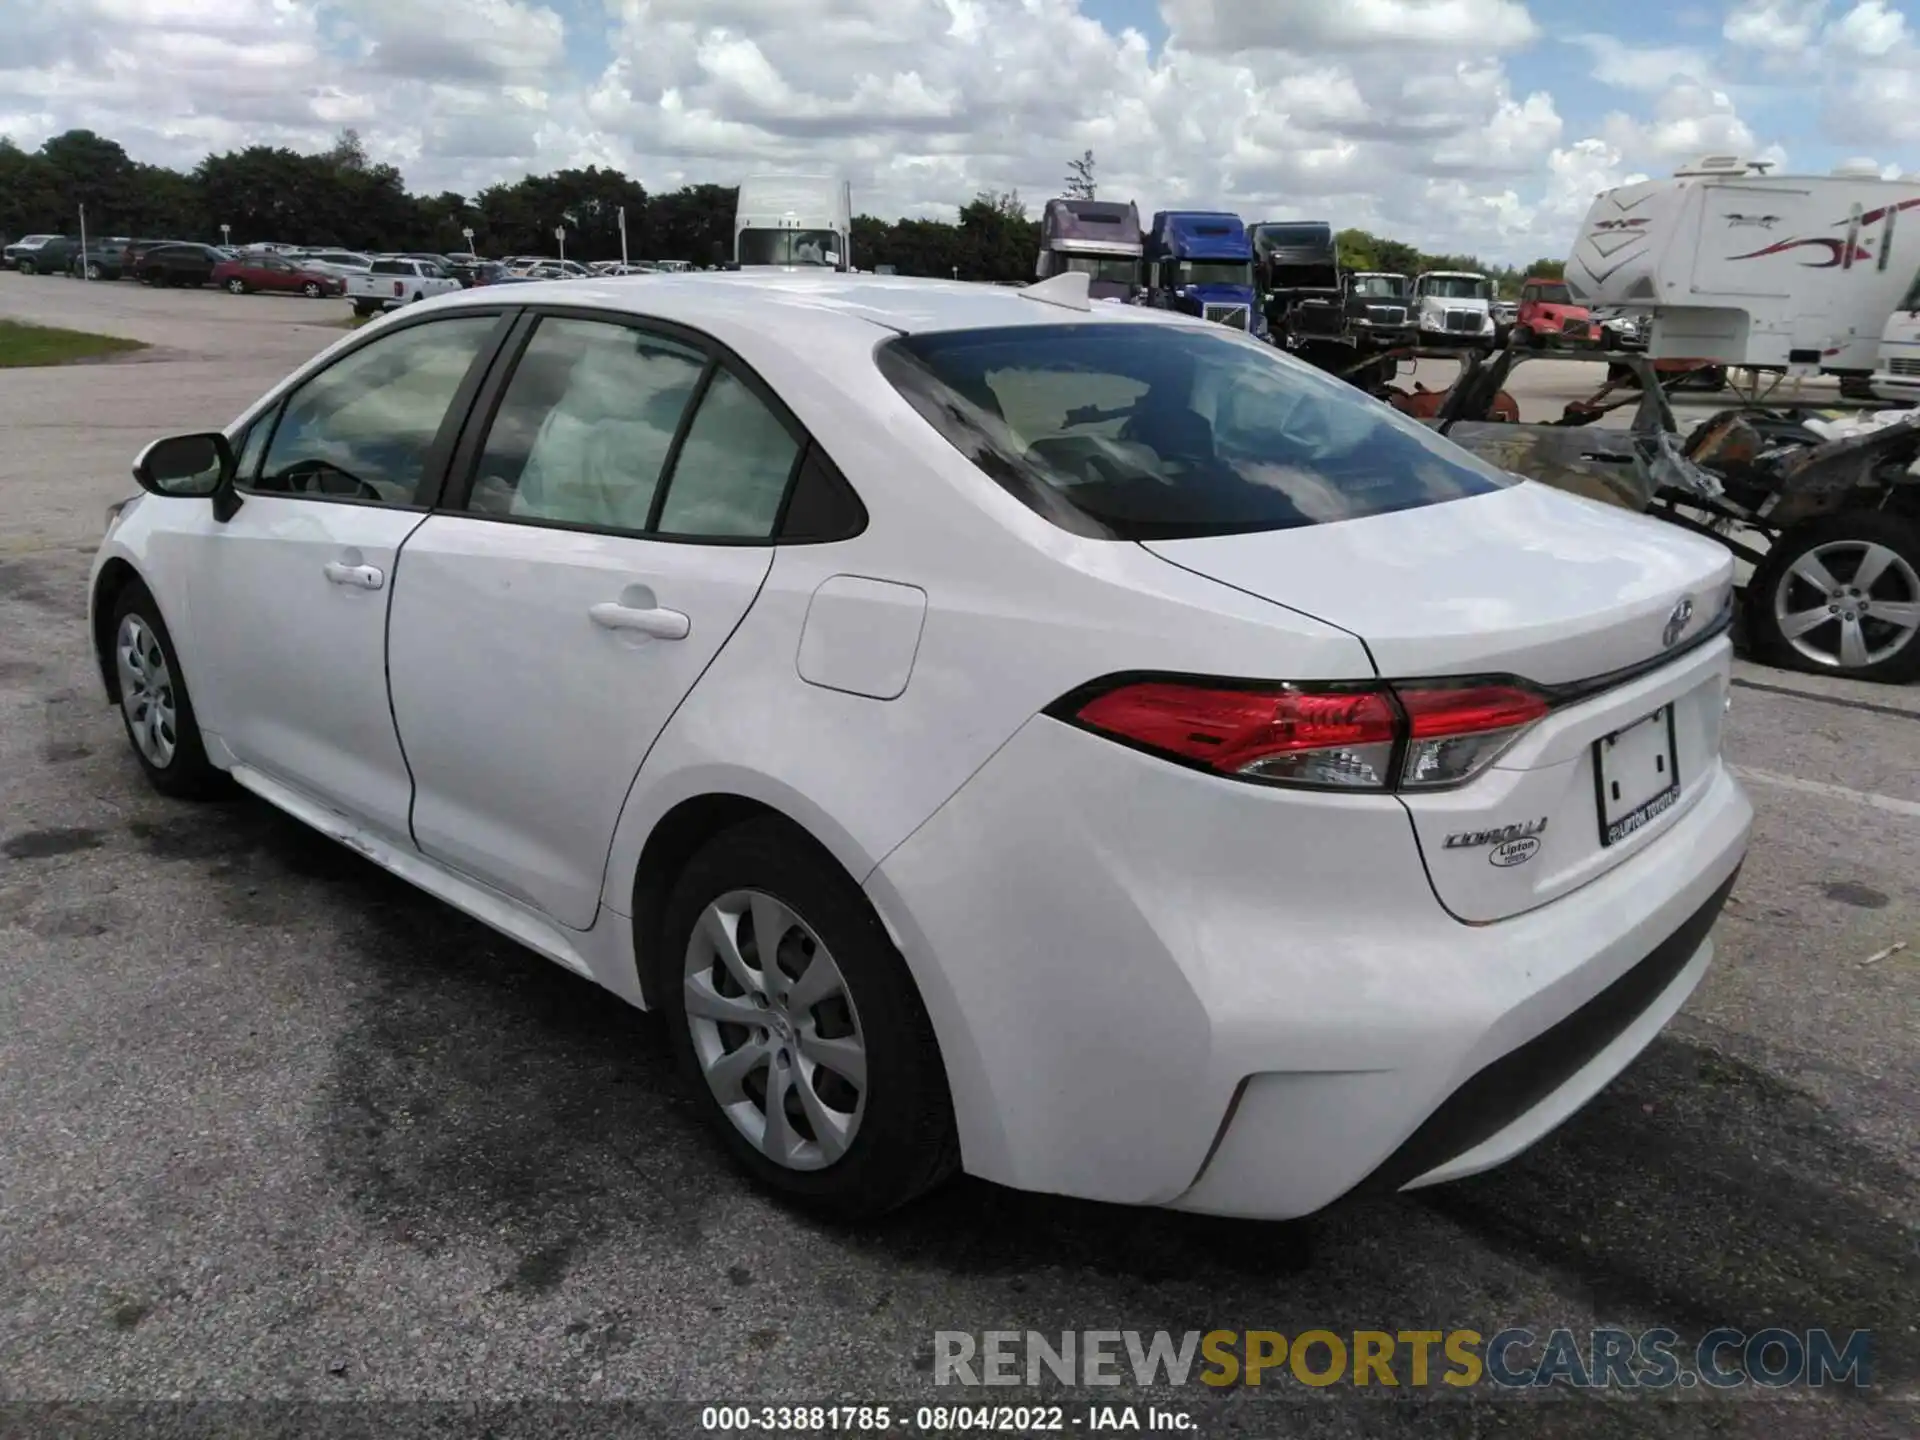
column 1156, row 987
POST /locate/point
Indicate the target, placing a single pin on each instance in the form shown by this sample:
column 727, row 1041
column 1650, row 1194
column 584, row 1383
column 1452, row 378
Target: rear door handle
column 366, row 577
column 658, row 622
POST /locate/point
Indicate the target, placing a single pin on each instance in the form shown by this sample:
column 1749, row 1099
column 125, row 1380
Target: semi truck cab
column 1201, row 263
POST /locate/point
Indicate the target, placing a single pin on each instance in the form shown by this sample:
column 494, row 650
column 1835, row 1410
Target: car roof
column 786, row 305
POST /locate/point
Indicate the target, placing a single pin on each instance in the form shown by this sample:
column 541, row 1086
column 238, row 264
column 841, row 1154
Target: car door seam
column 633, row 782
column 386, row 676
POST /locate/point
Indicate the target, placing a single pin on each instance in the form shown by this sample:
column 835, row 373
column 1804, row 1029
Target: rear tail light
column 1382, row 737
column 1455, row 733
column 1283, row 733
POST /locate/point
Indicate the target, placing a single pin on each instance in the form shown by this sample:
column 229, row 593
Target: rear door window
column 1140, row 431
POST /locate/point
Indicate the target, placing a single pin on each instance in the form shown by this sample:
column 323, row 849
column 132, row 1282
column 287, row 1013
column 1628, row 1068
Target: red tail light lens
column 1409, row 737
column 1279, row 733
column 1455, row 733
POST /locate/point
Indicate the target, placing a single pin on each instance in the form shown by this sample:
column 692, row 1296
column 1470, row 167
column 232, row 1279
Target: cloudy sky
column 1478, row 124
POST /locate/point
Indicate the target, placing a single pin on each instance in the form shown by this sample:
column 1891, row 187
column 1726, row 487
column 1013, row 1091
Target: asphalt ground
column 275, row 1127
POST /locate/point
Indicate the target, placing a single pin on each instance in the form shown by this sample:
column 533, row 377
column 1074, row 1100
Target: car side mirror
column 188, row 466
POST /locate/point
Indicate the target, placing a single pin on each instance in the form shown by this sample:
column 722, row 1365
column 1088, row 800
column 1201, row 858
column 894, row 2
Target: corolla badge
column 1677, row 623
column 1514, row 852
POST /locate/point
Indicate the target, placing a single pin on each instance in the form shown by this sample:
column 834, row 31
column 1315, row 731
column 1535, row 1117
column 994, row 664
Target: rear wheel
column 93, row 272
column 154, row 704
column 311, row 290
column 798, row 1028
column 1841, row 596
column 236, row 286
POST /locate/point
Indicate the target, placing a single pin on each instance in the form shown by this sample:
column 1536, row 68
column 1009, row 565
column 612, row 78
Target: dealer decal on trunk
column 1512, row 844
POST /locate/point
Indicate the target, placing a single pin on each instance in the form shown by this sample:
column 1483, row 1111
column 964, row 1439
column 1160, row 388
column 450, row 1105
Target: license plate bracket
column 1636, row 776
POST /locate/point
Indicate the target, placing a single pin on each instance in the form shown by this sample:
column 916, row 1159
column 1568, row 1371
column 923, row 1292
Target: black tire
column 1896, row 533
column 905, row 1143
column 26, row 267
column 94, row 272
column 366, row 307
column 311, row 290
column 187, row 773
column 236, row 286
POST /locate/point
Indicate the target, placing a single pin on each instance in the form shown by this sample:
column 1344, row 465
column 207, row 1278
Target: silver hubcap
column 1848, row 604
column 775, row 1031
column 146, row 692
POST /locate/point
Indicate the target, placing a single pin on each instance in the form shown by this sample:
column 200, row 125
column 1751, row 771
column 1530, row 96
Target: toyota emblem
column 1677, row 623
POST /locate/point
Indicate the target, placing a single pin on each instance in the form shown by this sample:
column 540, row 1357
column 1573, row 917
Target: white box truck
column 1780, row 272
column 793, row 222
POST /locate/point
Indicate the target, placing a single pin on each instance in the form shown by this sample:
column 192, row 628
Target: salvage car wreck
column 1825, row 508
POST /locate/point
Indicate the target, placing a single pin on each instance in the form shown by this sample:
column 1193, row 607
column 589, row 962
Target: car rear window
column 1159, row 432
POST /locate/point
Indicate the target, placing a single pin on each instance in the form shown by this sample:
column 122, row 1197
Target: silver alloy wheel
column 1850, row 623
column 775, row 1031
column 93, row 272
column 236, row 286
column 146, row 691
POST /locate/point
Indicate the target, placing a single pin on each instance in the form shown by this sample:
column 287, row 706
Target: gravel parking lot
column 277, row 1126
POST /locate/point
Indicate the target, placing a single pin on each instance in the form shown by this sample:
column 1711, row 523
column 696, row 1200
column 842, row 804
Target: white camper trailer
column 1785, row 272
column 794, row 221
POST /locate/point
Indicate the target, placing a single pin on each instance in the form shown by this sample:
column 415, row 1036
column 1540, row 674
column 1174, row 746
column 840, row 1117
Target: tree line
column 340, row 197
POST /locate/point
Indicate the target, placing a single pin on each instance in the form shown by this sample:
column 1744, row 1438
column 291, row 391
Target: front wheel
column 93, row 272
column 1841, row 596
column 236, row 286
column 26, row 267
column 310, row 290
column 798, row 1028
column 154, row 704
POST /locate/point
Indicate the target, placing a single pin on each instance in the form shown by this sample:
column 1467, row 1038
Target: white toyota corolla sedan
column 1066, row 742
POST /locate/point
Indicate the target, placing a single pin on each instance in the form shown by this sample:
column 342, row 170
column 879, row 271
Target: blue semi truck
column 1201, row 263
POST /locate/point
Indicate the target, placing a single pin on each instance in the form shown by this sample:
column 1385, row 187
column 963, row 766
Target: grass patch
column 43, row 345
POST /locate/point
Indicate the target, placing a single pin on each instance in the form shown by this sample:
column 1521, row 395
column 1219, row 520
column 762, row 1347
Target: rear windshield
column 1160, row 432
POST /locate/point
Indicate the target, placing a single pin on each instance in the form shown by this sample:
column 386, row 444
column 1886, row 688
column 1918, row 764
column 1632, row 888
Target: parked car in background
column 333, row 262
column 494, row 272
column 399, row 280
column 463, row 267
column 181, row 263
column 136, row 251
column 263, row 271
column 540, row 267
column 51, row 256
column 21, row 254
column 101, row 260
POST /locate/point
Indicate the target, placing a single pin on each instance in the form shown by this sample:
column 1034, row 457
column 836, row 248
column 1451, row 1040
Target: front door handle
column 366, row 577
column 660, row 623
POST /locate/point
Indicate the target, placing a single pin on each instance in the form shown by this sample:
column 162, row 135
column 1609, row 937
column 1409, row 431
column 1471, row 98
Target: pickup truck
column 396, row 282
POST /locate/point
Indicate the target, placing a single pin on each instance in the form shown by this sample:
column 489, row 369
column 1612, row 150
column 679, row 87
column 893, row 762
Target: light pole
column 226, row 237
column 83, row 242
column 560, row 234
column 466, row 234
column 623, row 235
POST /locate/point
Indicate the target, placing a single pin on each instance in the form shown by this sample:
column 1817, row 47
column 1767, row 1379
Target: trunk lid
column 1552, row 589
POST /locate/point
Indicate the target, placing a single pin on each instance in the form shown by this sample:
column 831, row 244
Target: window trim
column 464, row 466
column 434, row 475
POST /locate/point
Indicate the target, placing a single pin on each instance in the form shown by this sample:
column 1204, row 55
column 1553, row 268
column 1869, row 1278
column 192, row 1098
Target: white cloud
column 1776, row 27
column 1485, row 26
column 1869, row 30
column 1426, row 119
column 1650, row 68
